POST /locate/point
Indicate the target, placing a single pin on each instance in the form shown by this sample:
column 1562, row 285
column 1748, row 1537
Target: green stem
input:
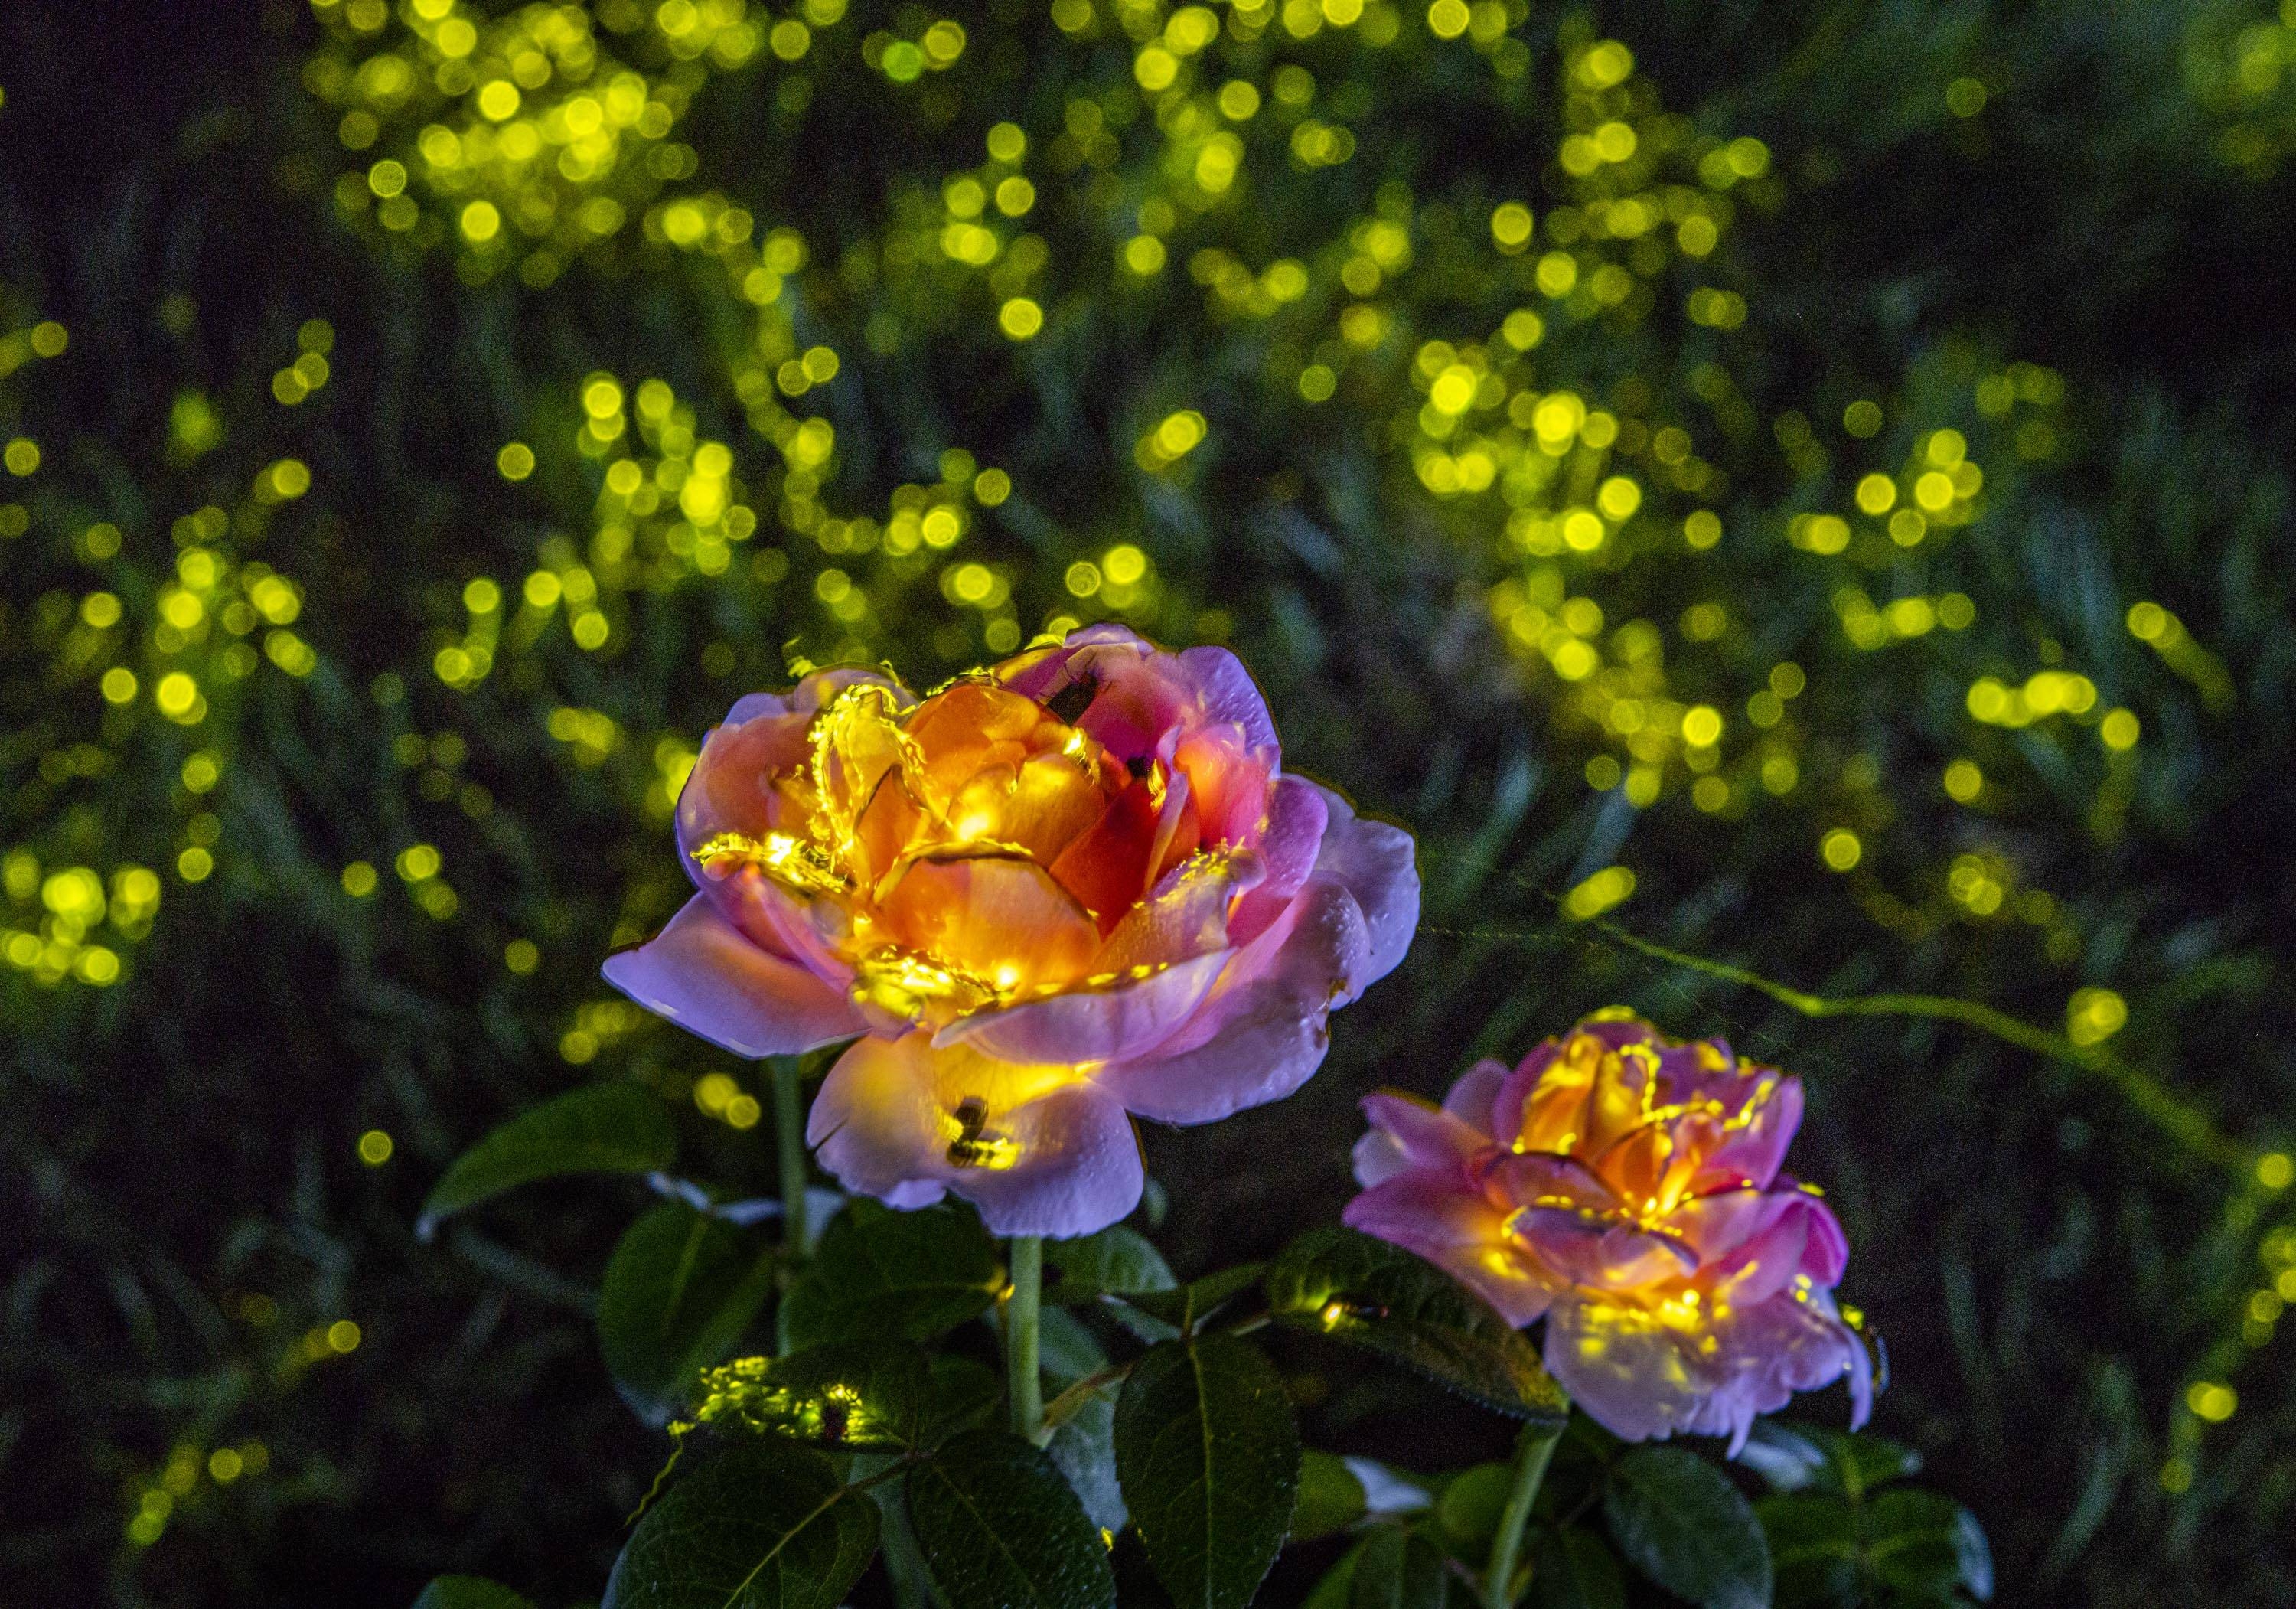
column 1531, row 1458
column 1025, row 1254
column 789, row 1142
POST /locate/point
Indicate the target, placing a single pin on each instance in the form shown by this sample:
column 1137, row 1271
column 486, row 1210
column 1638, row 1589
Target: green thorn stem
column 1530, row 1459
column 789, row 1143
column 1025, row 1254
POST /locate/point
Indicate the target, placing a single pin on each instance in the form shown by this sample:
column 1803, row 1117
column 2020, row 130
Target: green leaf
column 1469, row 1507
column 1814, row 1552
column 1573, row 1569
column 1117, row 1262
column 1085, row 1449
column 1193, row 1303
column 1680, row 1521
column 1330, row 1497
column 964, row 1394
column 1923, row 1542
column 603, row 1128
column 1001, row 1530
column 1339, row 1583
column 881, row 1272
column 1792, row 1457
column 1209, row 1457
column 856, row 1395
column 1399, row 1568
column 678, row 1293
column 1067, row 1349
column 469, row 1592
column 1353, row 1288
column 766, row 1526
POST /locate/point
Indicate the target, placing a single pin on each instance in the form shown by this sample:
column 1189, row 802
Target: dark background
column 2055, row 1270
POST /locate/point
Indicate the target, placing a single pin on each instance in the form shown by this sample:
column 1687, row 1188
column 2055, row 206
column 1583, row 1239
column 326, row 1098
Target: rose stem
column 789, row 1143
column 1532, row 1454
column 1025, row 1254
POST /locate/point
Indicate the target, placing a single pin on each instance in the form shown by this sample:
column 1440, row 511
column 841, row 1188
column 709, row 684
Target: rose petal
column 1229, row 695
column 1425, row 1134
column 1260, row 1033
column 702, row 973
column 1083, row 1024
column 1471, row 1098
column 1080, row 1170
column 1755, row 1142
column 1038, row 1150
column 1186, row 916
column 1105, row 866
column 1297, row 817
column 1459, row 1232
column 1374, row 861
column 1000, row 918
column 1625, row 1367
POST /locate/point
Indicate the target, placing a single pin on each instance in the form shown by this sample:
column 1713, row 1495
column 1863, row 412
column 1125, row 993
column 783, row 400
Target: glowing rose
column 1074, row 886
column 1627, row 1189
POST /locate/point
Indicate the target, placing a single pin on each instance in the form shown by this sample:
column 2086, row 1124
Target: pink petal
column 1297, row 817
column 1186, row 916
column 1260, row 1033
column 1229, row 694
column 1424, row 1211
column 1768, row 1351
column 1601, row 1253
column 703, row 974
column 1625, row 1367
column 1426, row 1135
column 1052, row 1154
column 1719, row 1224
column 1081, row 1170
column 1534, row 1111
column 1471, row 1098
column 1374, row 861
column 1755, row 1145
column 1085, row 1024
column 1530, row 1178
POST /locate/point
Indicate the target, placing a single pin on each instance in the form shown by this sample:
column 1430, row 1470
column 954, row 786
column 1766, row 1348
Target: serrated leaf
column 1383, row 1298
column 1207, row 1453
column 469, row 1592
column 1330, row 1497
column 603, row 1128
column 678, row 1292
column 1184, row 1307
column 856, row 1395
column 881, row 1272
column 1000, row 1529
column 1679, row 1521
column 1573, row 1569
column 1399, row 1568
column 768, row 1526
column 1115, row 1261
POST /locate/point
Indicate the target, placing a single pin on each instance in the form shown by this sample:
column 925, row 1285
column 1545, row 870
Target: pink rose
column 1075, row 886
column 1626, row 1188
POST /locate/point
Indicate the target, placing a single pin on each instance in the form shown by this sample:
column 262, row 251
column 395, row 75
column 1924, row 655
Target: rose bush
column 1627, row 1189
column 1072, row 887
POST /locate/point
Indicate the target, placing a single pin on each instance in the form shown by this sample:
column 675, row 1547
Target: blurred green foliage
column 393, row 498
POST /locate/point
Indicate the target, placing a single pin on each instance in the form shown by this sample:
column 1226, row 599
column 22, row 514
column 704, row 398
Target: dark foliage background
column 2058, row 231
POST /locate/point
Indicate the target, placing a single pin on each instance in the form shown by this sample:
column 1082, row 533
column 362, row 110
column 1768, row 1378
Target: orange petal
column 998, row 918
column 1106, row 865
